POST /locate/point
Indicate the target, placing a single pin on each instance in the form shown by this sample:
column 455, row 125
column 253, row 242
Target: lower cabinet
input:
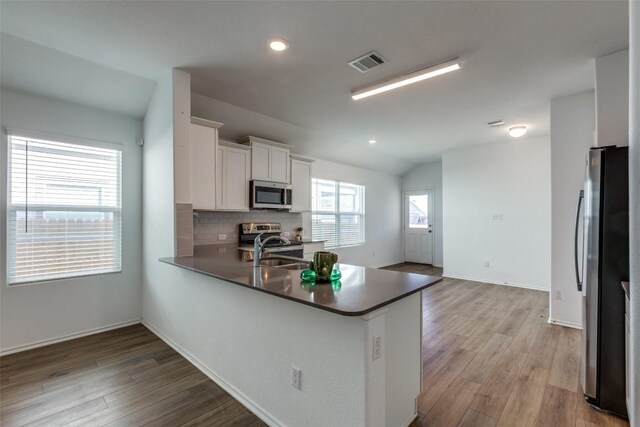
column 233, row 173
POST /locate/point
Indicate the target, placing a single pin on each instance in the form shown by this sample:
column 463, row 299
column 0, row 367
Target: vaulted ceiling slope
column 517, row 56
column 30, row 67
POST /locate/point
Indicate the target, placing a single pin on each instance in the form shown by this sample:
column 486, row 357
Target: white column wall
column 572, row 134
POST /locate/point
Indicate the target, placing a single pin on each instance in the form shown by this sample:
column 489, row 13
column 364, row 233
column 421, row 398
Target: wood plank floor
column 491, row 359
column 125, row 377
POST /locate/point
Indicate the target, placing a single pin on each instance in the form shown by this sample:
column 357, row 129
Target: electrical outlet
column 497, row 217
column 287, row 234
column 296, row 377
column 377, row 347
column 559, row 294
column 222, row 237
column 487, row 264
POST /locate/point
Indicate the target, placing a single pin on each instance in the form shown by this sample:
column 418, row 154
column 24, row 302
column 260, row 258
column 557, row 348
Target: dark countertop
column 627, row 289
column 362, row 290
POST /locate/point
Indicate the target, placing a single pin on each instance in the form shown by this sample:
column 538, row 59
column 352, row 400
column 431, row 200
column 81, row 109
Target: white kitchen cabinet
column 279, row 164
column 260, row 164
column 233, row 173
column 203, row 140
column 269, row 160
column 301, row 172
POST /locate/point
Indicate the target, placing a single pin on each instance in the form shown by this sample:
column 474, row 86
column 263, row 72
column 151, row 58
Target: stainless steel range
column 249, row 231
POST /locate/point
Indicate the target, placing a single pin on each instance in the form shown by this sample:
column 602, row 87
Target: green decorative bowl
column 311, row 277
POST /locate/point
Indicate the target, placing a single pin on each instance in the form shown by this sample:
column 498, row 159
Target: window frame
column 10, row 208
column 338, row 213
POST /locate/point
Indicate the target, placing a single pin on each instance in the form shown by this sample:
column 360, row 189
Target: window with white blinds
column 63, row 210
column 337, row 213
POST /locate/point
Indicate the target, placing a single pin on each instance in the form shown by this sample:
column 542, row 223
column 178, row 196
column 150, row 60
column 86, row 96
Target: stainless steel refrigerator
column 605, row 263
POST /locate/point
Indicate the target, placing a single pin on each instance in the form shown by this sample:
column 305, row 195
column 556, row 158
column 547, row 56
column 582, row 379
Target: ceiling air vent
column 367, row 62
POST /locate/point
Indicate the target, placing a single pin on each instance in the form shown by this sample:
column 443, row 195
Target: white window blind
column 63, row 211
column 337, row 213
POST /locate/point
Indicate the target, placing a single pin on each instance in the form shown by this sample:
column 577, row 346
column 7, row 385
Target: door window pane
column 419, row 211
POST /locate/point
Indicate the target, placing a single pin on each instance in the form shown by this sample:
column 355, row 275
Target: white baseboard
column 410, row 420
column 256, row 409
column 564, row 323
column 43, row 343
column 493, row 282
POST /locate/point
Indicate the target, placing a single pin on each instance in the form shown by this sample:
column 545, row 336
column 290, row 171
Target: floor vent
column 367, row 62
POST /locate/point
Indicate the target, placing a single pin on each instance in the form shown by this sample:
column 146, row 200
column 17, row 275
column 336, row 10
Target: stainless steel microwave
column 270, row 195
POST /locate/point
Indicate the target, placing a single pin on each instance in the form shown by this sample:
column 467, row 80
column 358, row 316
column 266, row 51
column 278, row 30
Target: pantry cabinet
column 301, row 172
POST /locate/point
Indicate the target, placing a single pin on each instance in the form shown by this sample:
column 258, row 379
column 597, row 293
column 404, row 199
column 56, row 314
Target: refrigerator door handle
column 575, row 241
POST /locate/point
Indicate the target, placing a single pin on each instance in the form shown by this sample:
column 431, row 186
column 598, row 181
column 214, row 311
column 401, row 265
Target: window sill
column 60, row 279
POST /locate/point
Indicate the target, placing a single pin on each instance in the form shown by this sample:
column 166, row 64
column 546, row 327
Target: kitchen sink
column 299, row 266
column 285, row 262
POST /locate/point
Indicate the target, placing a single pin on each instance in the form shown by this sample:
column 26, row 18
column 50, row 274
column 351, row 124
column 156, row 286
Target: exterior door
column 418, row 226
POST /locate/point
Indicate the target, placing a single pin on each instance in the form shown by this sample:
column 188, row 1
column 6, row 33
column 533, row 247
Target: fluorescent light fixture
column 517, row 131
column 278, row 45
column 372, row 141
column 407, row 79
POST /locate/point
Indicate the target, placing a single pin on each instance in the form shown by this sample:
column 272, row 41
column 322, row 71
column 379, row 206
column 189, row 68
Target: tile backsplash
column 208, row 225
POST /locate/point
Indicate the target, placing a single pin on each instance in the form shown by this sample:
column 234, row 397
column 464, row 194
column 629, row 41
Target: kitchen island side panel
column 251, row 340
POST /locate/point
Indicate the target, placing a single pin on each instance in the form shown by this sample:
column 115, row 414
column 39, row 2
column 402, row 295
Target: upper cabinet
column 202, row 173
column 269, row 160
column 301, row 173
column 233, row 172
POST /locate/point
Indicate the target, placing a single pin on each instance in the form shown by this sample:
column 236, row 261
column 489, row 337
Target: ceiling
column 30, row 67
column 516, row 56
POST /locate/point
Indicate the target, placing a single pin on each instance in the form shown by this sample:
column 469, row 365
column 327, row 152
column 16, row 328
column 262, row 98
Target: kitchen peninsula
column 357, row 343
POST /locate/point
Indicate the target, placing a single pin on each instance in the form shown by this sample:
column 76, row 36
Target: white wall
column 157, row 196
column 429, row 176
column 612, row 99
column 572, row 128
column 511, row 179
column 634, row 174
column 43, row 312
column 383, row 198
column 383, row 206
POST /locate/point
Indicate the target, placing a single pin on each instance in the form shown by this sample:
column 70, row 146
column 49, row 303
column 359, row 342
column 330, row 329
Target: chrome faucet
column 258, row 247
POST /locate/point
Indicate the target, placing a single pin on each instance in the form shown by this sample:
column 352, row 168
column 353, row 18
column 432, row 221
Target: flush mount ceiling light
column 517, row 131
column 407, row 79
column 372, row 141
column 278, row 45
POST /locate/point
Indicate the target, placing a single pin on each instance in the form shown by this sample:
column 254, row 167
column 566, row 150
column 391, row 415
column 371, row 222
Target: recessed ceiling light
column 278, row 45
column 416, row 76
column 372, row 141
column 517, row 131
